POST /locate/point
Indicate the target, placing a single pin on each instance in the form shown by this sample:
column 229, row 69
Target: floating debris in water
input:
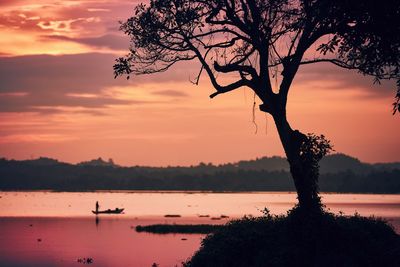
column 183, row 239
column 178, row 228
column 85, row 260
column 39, row 240
column 172, row 216
column 204, row 216
column 220, row 217
column 155, row 265
column 31, row 225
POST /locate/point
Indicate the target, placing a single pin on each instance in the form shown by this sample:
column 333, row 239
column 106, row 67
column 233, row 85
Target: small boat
column 115, row 211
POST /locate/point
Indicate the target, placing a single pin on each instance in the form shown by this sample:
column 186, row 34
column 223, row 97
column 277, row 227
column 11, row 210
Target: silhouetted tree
column 262, row 42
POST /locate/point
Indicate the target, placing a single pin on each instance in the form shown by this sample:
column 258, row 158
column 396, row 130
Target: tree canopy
column 256, row 40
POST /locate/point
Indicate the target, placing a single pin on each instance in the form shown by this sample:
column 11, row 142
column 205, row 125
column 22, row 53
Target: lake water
column 58, row 229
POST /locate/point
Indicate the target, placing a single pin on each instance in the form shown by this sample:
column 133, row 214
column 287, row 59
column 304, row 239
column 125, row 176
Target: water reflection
column 111, row 242
column 63, row 222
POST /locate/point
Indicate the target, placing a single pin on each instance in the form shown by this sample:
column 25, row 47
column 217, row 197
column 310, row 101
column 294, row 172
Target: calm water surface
column 56, row 229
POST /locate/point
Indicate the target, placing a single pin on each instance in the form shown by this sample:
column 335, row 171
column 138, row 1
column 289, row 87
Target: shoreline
column 138, row 191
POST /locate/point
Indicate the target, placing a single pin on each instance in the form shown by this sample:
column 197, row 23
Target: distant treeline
column 339, row 173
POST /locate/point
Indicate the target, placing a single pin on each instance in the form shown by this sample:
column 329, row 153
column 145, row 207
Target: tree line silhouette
column 339, row 173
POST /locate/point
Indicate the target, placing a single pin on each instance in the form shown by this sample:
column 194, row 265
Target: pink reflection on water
column 112, row 242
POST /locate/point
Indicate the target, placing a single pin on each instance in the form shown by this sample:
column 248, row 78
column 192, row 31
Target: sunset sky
column 59, row 98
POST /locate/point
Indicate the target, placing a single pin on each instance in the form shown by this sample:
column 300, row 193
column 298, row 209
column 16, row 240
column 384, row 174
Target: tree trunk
column 304, row 174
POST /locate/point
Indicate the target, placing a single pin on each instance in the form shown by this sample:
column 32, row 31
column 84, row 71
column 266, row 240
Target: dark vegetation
column 300, row 239
column 339, row 173
column 179, row 228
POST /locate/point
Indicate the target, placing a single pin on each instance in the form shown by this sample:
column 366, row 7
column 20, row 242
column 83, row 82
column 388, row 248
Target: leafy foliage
column 365, row 36
column 312, row 150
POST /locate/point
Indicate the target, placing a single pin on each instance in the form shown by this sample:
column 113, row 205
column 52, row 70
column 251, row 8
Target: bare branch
column 329, row 60
column 230, row 87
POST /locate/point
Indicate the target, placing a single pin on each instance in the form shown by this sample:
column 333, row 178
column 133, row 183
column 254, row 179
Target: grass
column 300, row 239
column 179, row 228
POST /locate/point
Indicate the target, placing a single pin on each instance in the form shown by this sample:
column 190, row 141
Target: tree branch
column 220, row 88
column 230, row 87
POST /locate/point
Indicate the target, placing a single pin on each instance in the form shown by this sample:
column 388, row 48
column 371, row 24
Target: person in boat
column 97, row 206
